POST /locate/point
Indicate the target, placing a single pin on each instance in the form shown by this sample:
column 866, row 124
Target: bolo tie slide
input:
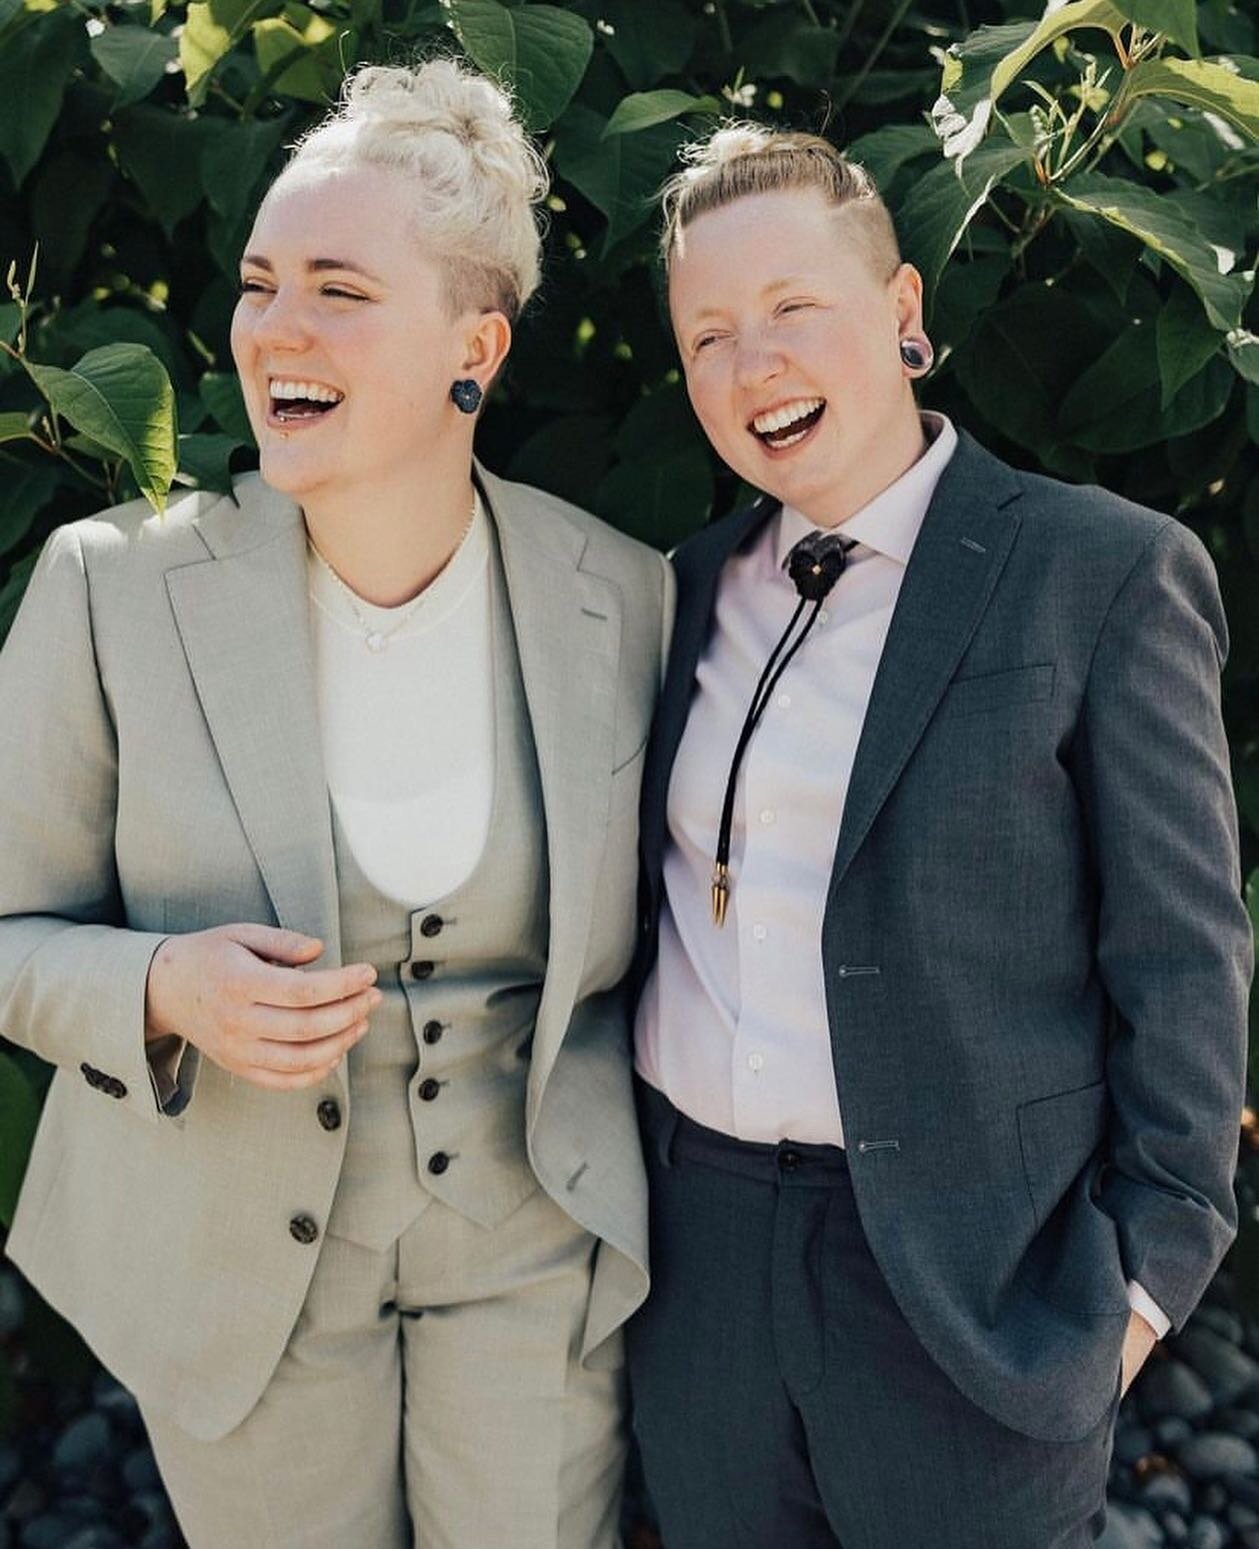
column 814, row 565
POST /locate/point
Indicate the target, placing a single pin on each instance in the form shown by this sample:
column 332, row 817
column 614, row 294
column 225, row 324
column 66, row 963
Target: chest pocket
column 998, row 690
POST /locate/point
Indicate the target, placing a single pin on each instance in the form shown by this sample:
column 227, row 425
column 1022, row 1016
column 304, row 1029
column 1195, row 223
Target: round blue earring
column 466, row 395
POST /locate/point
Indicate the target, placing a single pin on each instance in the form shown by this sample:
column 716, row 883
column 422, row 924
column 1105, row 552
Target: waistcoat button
column 429, row 1089
column 422, row 970
column 303, row 1229
column 329, row 1113
column 431, row 925
column 438, row 1163
column 432, row 1032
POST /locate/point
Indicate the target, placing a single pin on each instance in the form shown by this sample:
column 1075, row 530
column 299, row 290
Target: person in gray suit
column 942, row 1031
column 359, row 1236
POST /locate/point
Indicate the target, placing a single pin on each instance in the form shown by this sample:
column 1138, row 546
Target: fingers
column 273, row 1024
column 274, row 944
column 302, row 1064
column 266, row 985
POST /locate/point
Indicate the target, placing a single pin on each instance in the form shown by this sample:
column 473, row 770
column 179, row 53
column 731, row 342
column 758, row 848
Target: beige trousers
column 429, row 1396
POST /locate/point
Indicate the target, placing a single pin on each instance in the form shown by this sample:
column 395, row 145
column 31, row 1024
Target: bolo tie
column 814, row 564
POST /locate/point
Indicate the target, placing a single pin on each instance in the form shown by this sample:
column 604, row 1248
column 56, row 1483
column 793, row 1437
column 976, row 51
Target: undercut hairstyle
column 473, row 180
column 740, row 159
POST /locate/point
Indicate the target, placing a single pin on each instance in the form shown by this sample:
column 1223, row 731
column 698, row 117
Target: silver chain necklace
column 377, row 639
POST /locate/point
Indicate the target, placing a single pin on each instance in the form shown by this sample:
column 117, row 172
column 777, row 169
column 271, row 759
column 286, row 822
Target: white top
column 408, row 729
column 732, row 1025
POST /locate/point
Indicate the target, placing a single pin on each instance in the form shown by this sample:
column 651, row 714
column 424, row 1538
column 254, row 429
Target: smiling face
column 789, row 339
column 345, row 340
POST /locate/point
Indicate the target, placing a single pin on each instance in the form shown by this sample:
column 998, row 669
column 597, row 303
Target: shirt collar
column 889, row 523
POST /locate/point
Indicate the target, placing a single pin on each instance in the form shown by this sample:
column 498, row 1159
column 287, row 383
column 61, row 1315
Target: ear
column 906, row 289
column 485, row 346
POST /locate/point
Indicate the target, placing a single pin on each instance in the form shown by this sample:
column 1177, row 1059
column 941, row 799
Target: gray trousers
column 429, row 1395
column 781, row 1399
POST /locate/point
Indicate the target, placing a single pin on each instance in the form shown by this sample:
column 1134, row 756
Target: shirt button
column 422, row 970
column 784, row 701
column 755, row 1061
column 302, row 1229
column 759, row 932
column 767, row 816
column 429, row 1089
column 438, row 1163
column 432, row 1032
column 329, row 1113
column 431, row 925
column 823, row 616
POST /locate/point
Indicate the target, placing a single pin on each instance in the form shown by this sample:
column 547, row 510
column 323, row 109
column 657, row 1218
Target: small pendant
column 376, row 642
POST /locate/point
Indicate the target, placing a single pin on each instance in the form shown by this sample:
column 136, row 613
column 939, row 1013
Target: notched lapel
column 243, row 618
column 961, row 550
column 568, row 635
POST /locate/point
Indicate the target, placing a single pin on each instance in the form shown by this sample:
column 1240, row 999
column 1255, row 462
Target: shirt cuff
column 1140, row 1300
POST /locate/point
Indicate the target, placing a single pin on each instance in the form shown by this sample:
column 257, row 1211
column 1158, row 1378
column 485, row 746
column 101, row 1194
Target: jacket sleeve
column 72, row 977
column 1174, row 945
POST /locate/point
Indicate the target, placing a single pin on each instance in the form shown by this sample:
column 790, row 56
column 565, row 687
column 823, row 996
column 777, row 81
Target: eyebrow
column 315, row 266
column 789, row 283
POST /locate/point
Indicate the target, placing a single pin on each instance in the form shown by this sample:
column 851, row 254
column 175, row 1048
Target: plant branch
column 885, row 37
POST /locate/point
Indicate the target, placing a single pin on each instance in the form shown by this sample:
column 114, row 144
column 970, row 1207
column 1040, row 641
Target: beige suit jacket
column 160, row 772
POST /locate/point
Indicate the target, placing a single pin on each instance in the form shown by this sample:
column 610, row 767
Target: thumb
column 275, row 945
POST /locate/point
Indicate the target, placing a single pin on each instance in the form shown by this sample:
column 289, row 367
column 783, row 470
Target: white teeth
column 779, row 419
column 310, row 390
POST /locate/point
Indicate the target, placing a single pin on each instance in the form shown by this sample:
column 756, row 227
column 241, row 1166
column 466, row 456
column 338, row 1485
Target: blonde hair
column 473, row 178
column 741, row 159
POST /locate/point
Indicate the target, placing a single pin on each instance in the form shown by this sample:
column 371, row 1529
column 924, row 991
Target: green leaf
column 204, row 462
column 1252, row 902
column 134, row 58
column 648, row 41
column 539, row 51
column 19, row 1116
column 885, row 151
column 157, row 148
column 568, row 456
column 212, row 30
column 12, row 590
column 1202, row 83
column 70, row 190
column 1176, row 19
column 35, row 69
column 1243, row 351
column 121, row 396
column 659, row 501
column 642, row 109
column 620, row 176
column 25, row 491
column 1115, row 406
column 784, row 46
column 15, row 425
column 221, row 394
column 1169, row 232
column 940, row 206
column 978, row 70
column 1186, row 341
column 313, row 45
column 234, row 160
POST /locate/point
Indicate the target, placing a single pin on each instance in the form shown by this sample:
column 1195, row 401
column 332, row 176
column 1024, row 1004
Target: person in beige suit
column 318, row 817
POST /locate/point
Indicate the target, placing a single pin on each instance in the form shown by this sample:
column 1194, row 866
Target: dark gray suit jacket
column 1040, row 1066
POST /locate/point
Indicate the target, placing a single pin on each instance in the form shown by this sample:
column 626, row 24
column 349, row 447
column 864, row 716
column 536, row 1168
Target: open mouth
column 294, row 400
column 788, row 424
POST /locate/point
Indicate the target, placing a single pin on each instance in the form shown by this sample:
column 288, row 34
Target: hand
column 1138, row 1341
column 239, row 994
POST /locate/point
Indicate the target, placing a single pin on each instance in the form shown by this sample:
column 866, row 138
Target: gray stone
column 1175, row 1528
column 1238, row 1422
column 1167, row 1492
column 1128, row 1527
column 1227, row 1371
column 112, row 1399
column 1171, row 1388
column 85, row 1442
column 1243, row 1488
column 1206, row 1533
column 1133, row 1442
column 10, row 1467
column 49, row 1530
column 6, row 1534
column 1212, row 1454
column 1242, row 1517
column 11, row 1308
column 1213, row 1499
column 140, row 1471
column 1220, row 1321
column 98, row 1536
column 1171, row 1432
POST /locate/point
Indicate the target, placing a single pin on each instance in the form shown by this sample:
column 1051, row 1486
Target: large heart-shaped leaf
column 1176, row 19
column 642, row 109
column 134, row 58
column 19, row 1116
column 35, row 68
column 977, row 71
column 312, row 48
column 885, row 151
column 539, row 51
column 648, row 41
column 25, row 491
column 1201, row 83
column 121, row 397
column 1173, row 235
column 619, row 176
column 1185, row 339
column 212, row 30
column 233, row 161
column 159, row 148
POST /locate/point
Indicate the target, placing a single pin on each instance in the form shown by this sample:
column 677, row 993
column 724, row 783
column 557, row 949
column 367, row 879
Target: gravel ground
column 77, row 1472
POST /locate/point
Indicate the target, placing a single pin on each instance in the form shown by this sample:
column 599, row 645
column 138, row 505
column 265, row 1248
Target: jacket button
column 90, row 1074
column 429, row 1089
column 114, row 1087
column 302, row 1229
column 438, row 1163
column 422, row 970
column 329, row 1113
column 432, row 1032
column 431, row 925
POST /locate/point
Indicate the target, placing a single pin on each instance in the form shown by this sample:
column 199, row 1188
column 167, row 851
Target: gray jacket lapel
column 243, row 618
column 961, row 550
column 568, row 633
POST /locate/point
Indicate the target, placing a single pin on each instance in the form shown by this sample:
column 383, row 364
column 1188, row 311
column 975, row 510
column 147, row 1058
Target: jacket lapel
column 568, row 635
column 961, row 550
column 243, row 618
